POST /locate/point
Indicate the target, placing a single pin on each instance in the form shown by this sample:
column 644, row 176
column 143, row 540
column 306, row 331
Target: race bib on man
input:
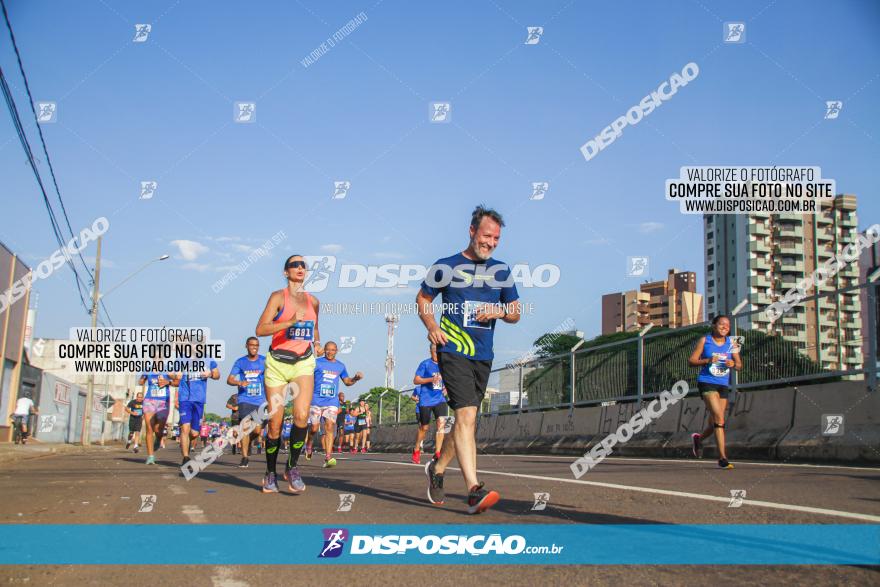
column 304, row 330
column 470, row 313
column 327, row 390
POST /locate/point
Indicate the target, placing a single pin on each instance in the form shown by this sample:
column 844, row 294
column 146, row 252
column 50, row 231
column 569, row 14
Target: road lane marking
column 753, row 502
column 194, row 513
column 223, row 577
column 691, row 461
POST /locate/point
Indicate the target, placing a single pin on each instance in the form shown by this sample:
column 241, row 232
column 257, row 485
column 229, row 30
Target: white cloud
column 331, row 248
column 649, row 227
column 242, row 248
column 598, row 241
column 190, row 250
column 196, row 266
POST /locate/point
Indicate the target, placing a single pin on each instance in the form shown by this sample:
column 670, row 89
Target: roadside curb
column 10, row 453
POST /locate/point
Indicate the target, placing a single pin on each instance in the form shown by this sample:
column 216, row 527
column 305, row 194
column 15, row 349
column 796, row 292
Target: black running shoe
column 697, row 441
column 724, row 464
column 436, row 495
column 244, row 463
column 479, row 500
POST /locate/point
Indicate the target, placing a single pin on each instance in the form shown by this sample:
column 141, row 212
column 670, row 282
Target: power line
column 22, row 136
column 16, row 121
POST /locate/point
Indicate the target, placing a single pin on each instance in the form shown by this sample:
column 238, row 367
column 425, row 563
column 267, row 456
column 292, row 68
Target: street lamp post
column 380, row 406
column 96, row 297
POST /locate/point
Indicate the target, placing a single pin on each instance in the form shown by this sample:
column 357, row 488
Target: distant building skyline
column 672, row 302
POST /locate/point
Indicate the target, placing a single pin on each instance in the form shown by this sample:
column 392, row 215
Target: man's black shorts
column 424, row 413
column 134, row 424
column 245, row 410
column 465, row 379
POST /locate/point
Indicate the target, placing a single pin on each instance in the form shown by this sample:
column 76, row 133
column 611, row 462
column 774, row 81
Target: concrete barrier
column 757, row 422
column 406, row 437
column 517, row 433
column 505, row 428
column 657, row 436
column 860, row 437
column 486, row 431
column 692, row 417
column 394, row 438
column 381, row 438
column 569, row 431
column 782, row 424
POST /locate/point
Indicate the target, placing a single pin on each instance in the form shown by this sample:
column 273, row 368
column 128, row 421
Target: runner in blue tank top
column 717, row 355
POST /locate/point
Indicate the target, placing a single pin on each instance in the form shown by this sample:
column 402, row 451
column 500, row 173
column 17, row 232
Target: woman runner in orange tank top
column 287, row 314
column 291, row 319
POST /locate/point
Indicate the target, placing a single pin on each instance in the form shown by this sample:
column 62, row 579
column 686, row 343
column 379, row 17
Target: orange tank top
column 280, row 339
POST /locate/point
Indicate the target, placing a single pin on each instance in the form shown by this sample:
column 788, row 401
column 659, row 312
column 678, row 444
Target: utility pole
column 392, row 321
column 87, row 413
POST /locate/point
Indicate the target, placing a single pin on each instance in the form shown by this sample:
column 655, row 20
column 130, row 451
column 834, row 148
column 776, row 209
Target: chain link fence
column 827, row 336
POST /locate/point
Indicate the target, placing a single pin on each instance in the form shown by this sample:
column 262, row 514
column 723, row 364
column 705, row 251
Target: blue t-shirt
column 253, row 372
column 465, row 285
column 152, row 385
column 285, row 430
column 717, row 371
column 194, row 386
column 349, row 421
column 327, row 376
column 429, row 394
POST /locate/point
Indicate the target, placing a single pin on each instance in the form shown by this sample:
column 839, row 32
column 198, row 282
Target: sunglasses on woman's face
column 296, row 265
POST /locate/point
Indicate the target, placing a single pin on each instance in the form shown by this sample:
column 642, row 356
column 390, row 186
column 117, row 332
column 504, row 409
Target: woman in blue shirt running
column 717, row 354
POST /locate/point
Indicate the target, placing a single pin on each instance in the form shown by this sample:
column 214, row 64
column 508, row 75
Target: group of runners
column 475, row 296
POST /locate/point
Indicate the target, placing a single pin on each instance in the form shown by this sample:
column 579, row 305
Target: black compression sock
column 297, row 439
column 272, row 453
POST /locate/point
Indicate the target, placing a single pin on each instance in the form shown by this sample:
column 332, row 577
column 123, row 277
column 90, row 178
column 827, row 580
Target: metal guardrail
column 810, row 342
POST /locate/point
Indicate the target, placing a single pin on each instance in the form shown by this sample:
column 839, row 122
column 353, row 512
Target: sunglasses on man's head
column 295, row 265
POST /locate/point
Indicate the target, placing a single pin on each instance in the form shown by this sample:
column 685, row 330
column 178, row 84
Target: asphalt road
column 104, row 487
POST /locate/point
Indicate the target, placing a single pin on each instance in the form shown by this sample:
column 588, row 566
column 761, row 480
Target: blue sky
column 163, row 110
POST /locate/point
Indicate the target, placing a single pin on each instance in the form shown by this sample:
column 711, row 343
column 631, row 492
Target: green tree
column 389, row 405
column 551, row 344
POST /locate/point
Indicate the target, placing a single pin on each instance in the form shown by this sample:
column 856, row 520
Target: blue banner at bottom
column 506, row 544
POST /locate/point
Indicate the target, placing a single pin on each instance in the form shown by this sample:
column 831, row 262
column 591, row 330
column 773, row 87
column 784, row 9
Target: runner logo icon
column 541, row 501
column 334, row 541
